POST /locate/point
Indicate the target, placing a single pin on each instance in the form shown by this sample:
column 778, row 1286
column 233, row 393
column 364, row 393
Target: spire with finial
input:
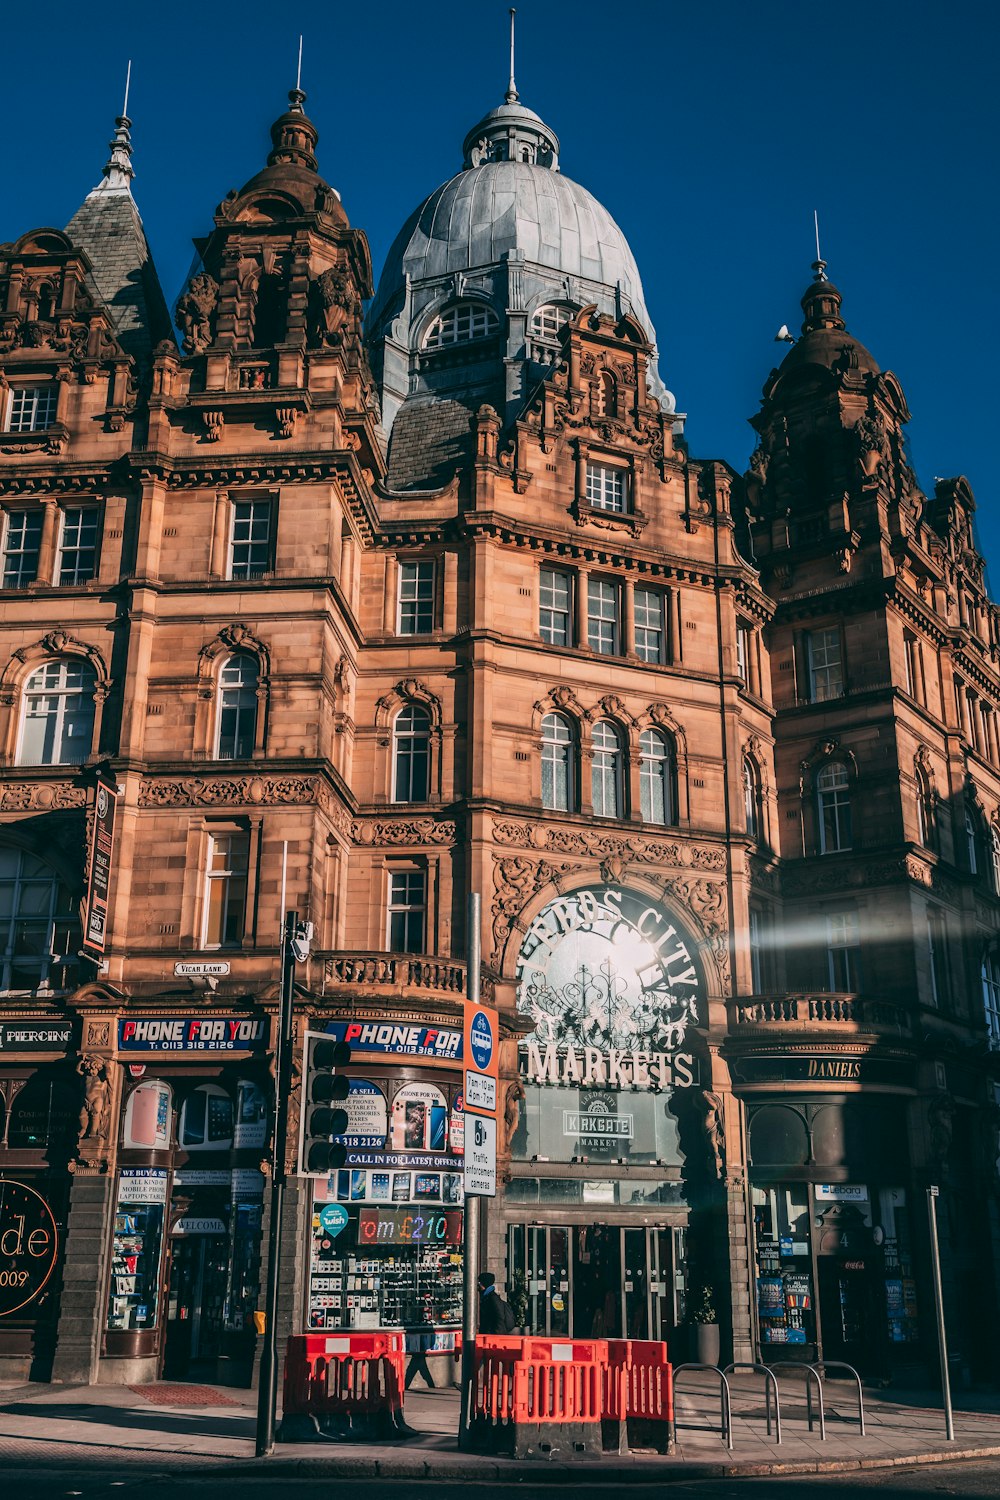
column 821, row 302
column 118, row 169
column 512, row 95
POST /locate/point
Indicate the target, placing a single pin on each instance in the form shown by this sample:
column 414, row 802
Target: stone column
column 81, row 1306
column 295, row 1233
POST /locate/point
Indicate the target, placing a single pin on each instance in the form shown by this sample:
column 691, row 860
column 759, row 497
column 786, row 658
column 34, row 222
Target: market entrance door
column 198, row 1268
column 598, row 1280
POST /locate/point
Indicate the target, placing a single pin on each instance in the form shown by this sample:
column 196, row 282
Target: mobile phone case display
column 137, row 1248
column 897, row 1255
column 785, row 1301
column 400, row 1268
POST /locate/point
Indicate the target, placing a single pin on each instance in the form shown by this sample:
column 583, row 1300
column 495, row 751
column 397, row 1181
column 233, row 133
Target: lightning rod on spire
column 128, row 80
column 819, row 264
column 298, row 71
column 816, row 225
column 512, row 86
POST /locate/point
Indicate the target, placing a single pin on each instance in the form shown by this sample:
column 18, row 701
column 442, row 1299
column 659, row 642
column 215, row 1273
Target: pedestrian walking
column 495, row 1315
column 419, row 1338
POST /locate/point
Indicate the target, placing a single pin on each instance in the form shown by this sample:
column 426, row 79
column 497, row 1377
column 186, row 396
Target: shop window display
column 147, row 1117
column 785, row 1296
column 207, row 1121
column 137, row 1248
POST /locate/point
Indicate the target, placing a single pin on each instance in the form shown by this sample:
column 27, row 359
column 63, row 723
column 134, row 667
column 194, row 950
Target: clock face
column 605, row 967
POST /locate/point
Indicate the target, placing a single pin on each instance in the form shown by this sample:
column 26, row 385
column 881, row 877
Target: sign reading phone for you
column 482, row 1059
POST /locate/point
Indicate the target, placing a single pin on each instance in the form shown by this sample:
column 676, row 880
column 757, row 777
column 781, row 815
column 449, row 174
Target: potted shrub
column 517, row 1297
column 704, row 1319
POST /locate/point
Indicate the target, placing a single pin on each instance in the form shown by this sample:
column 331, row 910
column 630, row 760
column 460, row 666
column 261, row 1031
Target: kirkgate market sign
column 611, row 983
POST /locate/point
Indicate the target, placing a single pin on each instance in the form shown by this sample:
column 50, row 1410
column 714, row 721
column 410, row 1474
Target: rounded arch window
column 57, row 723
column 207, row 1120
column 147, row 1117
column 607, row 781
column 558, row 791
column 995, row 856
column 411, row 751
column 549, row 320
column 461, row 324
column 39, row 924
column 656, row 777
column 833, row 799
column 752, row 810
column 778, row 1138
column 236, row 738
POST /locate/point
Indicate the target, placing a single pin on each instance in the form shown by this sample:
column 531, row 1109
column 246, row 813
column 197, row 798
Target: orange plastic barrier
column 639, row 1393
column 349, row 1384
column 539, row 1397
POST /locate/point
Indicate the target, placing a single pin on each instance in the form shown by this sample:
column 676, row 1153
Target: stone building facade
column 356, row 614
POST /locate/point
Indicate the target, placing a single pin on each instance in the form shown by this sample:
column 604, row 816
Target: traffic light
column 323, row 1115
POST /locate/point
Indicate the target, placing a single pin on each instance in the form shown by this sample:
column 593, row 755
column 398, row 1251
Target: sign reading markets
column 193, row 1034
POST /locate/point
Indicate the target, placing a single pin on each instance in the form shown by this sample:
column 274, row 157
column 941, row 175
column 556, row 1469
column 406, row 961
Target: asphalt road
column 973, row 1480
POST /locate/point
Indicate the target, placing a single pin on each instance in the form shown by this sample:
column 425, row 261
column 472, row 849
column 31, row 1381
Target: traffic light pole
column 470, row 1218
column 267, row 1392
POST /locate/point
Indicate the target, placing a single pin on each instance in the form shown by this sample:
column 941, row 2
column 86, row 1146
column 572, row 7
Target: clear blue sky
column 710, row 131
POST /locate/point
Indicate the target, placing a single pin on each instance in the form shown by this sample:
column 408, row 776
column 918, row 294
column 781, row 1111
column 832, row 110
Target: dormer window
column 32, row 408
column 461, row 324
column 549, row 321
column 607, row 487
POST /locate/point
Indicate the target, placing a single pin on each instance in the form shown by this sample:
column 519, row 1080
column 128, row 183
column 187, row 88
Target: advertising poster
column 367, row 1117
column 419, row 1119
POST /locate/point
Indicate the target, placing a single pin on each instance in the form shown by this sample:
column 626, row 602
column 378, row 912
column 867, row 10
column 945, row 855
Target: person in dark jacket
column 495, row 1315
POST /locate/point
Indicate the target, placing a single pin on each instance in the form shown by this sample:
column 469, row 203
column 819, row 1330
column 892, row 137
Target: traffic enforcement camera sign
column 482, row 1058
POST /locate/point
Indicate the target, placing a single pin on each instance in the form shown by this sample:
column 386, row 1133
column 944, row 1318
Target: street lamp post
column 267, row 1393
column 949, row 1420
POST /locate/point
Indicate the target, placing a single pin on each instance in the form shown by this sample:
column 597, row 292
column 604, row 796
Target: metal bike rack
column 813, row 1373
column 769, row 1382
column 724, row 1395
column 838, row 1364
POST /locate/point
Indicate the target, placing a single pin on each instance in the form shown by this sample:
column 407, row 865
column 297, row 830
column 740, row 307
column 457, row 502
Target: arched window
column 995, row 856
column 971, row 840
column 549, row 321
column 57, row 728
column 411, row 750
column 605, row 396
column 926, row 810
column 558, row 790
column 46, row 303
column 460, row 325
column 39, row 926
column 237, row 709
column 833, row 804
column 607, row 785
column 752, row 810
column 656, row 777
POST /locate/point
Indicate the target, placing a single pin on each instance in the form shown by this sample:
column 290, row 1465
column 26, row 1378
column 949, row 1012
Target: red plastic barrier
column 354, row 1378
column 639, row 1388
column 539, row 1396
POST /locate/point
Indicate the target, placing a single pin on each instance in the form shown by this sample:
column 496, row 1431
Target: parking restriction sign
column 482, row 1056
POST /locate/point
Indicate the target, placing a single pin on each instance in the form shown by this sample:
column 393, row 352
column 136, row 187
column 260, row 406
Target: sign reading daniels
column 29, row 1246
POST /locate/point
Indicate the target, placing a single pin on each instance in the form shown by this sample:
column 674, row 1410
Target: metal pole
column 267, row 1391
column 470, row 1219
column 949, row 1420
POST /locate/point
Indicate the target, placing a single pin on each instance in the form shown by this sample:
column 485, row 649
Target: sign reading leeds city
column 29, row 1246
column 611, row 983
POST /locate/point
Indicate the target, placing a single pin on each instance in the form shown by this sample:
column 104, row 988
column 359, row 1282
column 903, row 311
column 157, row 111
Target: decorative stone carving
column 338, row 306
column 715, row 1131
column 517, row 880
column 285, row 419
column 195, row 312
column 213, row 422
column 93, row 1120
column 222, row 791
column 388, row 831
column 42, row 797
column 512, row 1113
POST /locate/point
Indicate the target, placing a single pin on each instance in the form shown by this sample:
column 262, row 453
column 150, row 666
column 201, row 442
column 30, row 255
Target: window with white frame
column 251, row 541
column 555, row 605
column 607, row 487
column 226, row 888
column 407, row 914
column 656, row 777
column 939, row 960
column 843, row 950
column 833, row 805
column 926, row 810
column 991, row 996
column 416, row 598
column 461, row 324
column 752, row 808
column 22, row 543
column 548, row 322
column 825, row 664
column 411, row 753
column 603, row 616
column 39, row 925
column 650, row 629
column 237, row 713
column 31, row 408
column 78, row 544
column 558, row 792
column 57, row 726
column 743, row 646
column 607, row 780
